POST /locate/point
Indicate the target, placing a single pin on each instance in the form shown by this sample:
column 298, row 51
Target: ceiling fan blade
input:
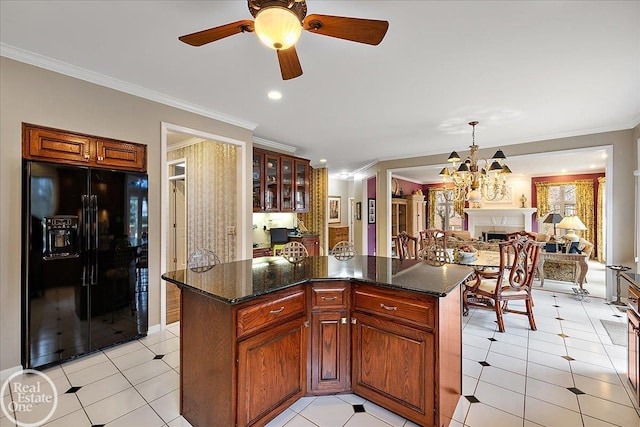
column 212, row 34
column 289, row 63
column 369, row 31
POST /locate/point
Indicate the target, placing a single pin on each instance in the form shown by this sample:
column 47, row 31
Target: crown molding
column 273, row 144
column 60, row 67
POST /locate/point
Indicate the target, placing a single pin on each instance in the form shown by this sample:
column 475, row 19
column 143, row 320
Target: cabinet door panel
column 50, row 144
column 272, row 183
column 329, row 352
column 271, row 371
column 302, row 186
column 258, row 169
column 393, row 365
column 120, row 155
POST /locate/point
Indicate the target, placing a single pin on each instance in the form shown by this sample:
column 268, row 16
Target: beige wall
column 33, row 95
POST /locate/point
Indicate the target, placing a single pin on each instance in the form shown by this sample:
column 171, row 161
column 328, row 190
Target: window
column 446, row 216
column 562, row 200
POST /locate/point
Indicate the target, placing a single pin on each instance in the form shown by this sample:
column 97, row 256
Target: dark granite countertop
column 240, row 281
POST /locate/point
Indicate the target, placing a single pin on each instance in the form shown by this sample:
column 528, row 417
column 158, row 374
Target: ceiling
column 526, row 70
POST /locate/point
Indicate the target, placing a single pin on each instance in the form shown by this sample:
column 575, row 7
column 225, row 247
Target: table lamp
column 553, row 218
column 571, row 223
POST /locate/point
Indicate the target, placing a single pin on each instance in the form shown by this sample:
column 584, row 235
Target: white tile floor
column 518, row 378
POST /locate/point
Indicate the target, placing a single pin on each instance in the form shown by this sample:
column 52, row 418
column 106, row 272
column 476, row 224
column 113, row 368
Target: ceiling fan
column 279, row 23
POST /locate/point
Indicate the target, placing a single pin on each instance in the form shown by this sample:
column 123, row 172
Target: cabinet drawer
column 267, row 313
column 416, row 310
column 327, row 295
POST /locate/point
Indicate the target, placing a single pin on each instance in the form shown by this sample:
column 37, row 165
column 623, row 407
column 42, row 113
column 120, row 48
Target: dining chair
column 512, row 281
column 406, row 245
column 344, row 250
column 202, row 260
column 433, row 247
column 294, row 252
column 521, row 233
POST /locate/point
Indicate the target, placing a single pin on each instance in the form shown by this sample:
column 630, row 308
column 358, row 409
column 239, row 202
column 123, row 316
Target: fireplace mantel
column 499, row 219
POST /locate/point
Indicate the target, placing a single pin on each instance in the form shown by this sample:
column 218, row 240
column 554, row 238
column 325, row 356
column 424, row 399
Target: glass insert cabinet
column 280, row 182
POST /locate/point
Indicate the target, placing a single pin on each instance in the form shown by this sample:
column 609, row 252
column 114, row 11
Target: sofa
column 565, row 271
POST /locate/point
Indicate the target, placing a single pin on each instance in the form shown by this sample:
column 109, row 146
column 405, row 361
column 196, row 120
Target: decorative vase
column 523, row 200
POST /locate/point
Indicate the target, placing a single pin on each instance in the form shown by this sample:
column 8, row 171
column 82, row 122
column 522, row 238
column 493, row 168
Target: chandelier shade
column 469, row 182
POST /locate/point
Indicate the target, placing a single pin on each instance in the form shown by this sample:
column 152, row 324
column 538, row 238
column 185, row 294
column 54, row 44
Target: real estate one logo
column 29, row 398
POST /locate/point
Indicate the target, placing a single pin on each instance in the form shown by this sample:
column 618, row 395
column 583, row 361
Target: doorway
column 177, row 232
column 194, row 215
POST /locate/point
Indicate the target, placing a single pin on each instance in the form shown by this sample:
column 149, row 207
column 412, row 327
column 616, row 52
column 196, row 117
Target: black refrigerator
column 84, row 260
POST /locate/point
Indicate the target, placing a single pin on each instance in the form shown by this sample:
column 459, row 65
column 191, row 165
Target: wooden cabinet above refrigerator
column 60, row 146
column 280, row 182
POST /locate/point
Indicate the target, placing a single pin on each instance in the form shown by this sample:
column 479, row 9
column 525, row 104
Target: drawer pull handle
column 387, row 307
column 329, row 298
column 278, row 311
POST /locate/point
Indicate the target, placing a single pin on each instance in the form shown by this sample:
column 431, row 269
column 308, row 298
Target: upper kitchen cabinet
column 280, row 182
column 47, row 144
column 302, row 185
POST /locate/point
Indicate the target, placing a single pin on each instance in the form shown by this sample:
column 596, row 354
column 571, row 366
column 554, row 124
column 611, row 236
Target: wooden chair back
column 521, row 233
column 202, row 260
column 294, row 252
column 344, row 250
column 433, row 246
column 406, row 246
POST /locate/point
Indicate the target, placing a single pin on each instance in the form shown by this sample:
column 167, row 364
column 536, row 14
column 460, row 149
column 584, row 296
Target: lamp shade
column 278, row 27
column 572, row 222
column 553, row 218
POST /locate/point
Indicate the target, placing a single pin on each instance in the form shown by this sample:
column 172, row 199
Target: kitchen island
column 256, row 335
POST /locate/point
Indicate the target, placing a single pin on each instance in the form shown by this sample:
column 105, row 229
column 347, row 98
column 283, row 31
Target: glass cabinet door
column 258, row 182
column 286, row 184
column 302, row 187
column 272, row 183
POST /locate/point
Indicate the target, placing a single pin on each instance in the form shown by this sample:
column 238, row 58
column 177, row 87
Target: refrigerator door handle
column 93, row 203
column 86, row 237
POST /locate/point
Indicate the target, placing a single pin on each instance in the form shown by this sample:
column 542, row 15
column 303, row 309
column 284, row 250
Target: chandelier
column 468, row 182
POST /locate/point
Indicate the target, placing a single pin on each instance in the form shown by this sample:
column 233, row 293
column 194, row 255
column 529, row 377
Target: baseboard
column 153, row 329
column 6, row 373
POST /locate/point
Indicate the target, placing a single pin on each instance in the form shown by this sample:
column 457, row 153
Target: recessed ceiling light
column 323, row 160
column 274, row 94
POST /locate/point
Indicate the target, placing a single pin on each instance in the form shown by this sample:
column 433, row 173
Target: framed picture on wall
column 334, row 209
column 358, row 211
column 371, row 211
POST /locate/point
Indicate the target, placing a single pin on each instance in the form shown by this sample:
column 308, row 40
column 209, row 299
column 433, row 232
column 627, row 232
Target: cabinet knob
column 100, row 158
column 343, row 320
column 388, row 307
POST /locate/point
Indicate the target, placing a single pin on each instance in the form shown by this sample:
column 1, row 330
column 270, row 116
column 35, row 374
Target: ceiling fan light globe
column 277, row 27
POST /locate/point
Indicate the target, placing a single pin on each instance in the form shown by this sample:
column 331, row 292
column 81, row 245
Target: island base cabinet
column 329, row 353
column 633, row 371
column 393, row 366
column 271, row 372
